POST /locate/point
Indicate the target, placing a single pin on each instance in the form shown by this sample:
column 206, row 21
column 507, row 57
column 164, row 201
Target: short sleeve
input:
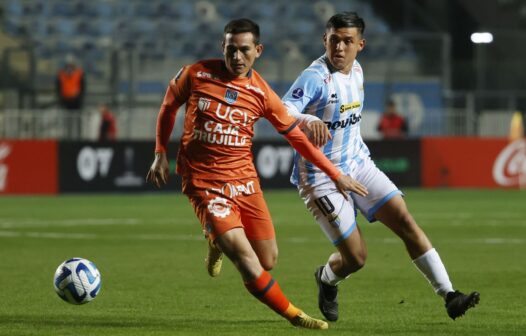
column 307, row 87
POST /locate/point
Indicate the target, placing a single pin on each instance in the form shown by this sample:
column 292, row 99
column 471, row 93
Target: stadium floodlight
column 482, row 37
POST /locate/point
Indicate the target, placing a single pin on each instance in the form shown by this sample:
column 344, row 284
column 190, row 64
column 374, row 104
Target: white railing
column 68, row 125
column 140, row 123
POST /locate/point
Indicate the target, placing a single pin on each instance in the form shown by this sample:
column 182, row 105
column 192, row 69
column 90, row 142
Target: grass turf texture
column 150, row 253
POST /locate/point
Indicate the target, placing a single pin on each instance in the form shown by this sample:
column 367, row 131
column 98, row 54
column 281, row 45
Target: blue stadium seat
column 14, row 27
column 66, row 27
column 304, row 27
column 86, row 28
column 86, row 9
column 43, row 51
column 170, row 30
column 145, row 26
column 184, row 26
column 145, row 9
column 151, row 87
column 124, row 9
column 184, row 10
column 64, row 8
column 42, row 29
column 105, row 10
column 105, row 27
column 298, row 9
column 268, row 28
column 62, row 47
column 262, row 10
column 14, row 8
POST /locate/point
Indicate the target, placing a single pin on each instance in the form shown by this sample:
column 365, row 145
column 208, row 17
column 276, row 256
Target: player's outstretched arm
column 299, row 141
column 319, row 133
column 159, row 170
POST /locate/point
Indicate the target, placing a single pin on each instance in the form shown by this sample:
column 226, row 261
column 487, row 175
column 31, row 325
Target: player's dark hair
column 238, row 26
column 346, row 20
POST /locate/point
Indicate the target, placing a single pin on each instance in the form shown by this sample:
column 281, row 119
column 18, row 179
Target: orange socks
column 267, row 290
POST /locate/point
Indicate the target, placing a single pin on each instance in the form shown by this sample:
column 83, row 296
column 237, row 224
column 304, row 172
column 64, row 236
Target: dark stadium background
column 68, row 195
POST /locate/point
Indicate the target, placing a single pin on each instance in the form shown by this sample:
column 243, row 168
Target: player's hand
column 345, row 183
column 319, row 133
column 159, row 171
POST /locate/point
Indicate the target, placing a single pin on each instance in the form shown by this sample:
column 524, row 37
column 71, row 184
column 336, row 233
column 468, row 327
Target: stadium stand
column 163, row 32
column 131, row 49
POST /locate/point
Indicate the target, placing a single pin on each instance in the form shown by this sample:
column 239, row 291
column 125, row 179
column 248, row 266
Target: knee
column 359, row 261
column 269, row 260
column 355, row 262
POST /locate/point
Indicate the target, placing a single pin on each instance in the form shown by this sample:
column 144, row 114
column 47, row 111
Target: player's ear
column 259, row 50
column 361, row 44
column 223, row 46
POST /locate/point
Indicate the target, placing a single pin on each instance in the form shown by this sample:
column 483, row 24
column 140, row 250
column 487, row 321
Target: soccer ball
column 77, row 281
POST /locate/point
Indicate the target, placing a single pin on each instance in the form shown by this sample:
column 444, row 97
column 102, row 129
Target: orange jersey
column 219, row 120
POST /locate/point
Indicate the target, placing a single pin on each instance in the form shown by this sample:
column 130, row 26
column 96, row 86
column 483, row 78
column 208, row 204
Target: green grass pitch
column 150, row 252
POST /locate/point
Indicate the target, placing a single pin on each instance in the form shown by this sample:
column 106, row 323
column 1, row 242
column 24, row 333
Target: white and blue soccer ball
column 77, row 281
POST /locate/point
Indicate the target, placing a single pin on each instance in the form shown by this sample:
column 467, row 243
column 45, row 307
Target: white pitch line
column 502, row 241
column 467, row 215
column 34, row 222
column 15, row 234
column 196, row 237
column 447, row 220
column 92, row 236
column 28, row 222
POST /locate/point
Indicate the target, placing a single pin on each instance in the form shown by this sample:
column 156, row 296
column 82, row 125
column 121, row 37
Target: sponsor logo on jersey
column 297, row 93
column 349, row 121
column 226, row 131
column 204, row 74
column 232, row 190
column 219, row 206
column 255, row 89
column 231, row 96
column 334, row 219
column 221, row 138
column 203, row 104
column 333, row 99
column 350, row 106
column 235, row 87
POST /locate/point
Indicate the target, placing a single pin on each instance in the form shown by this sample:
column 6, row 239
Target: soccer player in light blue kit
column 328, row 99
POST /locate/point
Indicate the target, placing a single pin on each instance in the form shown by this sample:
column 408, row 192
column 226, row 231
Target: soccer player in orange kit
column 224, row 98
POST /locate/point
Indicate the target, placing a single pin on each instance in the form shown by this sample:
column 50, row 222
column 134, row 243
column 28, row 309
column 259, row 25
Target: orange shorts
column 222, row 206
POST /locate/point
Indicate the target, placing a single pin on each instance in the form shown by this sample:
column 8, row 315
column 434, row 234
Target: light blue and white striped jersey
column 336, row 99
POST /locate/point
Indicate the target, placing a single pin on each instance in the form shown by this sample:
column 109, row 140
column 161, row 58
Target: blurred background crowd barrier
column 418, row 53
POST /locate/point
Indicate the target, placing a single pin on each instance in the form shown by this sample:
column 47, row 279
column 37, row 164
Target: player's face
column 240, row 52
column 342, row 45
